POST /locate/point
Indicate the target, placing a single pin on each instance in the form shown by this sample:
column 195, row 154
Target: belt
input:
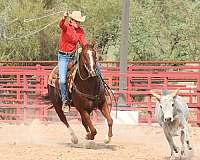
column 66, row 53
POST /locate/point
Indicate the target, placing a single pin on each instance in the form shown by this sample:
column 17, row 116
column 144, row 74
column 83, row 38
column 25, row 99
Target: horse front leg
column 106, row 114
column 62, row 117
column 90, row 135
column 84, row 123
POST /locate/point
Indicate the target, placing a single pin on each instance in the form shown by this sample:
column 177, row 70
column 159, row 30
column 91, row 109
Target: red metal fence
column 21, row 88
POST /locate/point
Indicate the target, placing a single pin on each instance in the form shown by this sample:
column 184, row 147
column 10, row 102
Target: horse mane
column 88, row 46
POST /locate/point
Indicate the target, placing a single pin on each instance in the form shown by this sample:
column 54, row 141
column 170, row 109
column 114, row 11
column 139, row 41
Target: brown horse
column 88, row 94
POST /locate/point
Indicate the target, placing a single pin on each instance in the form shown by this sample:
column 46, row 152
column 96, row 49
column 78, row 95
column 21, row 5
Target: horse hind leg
column 62, row 117
column 106, row 114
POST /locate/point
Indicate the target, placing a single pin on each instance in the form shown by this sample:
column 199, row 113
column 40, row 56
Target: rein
column 94, row 98
column 88, row 96
column 91, row 97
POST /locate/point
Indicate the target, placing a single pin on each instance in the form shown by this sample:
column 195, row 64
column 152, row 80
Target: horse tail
column 53, row 96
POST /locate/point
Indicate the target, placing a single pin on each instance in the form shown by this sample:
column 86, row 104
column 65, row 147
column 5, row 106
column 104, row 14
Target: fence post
column 129, row 88
column 38, row 109
column 198, row 101
column 18, row 98
column 25, row 99
column 43, row 80
column 149, row 107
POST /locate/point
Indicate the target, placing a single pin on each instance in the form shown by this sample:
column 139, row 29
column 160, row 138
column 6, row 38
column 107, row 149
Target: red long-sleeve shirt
column 70, row 37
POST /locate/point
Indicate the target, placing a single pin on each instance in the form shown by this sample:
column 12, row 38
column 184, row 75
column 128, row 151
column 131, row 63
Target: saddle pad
column 53, row 77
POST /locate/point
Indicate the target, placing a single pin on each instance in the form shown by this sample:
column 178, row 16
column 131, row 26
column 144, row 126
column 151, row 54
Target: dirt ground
column 52, row 142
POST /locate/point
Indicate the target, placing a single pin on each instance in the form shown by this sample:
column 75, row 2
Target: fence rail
column 21, row 88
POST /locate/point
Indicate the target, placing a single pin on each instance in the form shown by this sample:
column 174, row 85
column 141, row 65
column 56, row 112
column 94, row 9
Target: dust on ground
column 38, row 141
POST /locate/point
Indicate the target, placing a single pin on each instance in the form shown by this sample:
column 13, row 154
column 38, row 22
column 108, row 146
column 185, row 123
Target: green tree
column 164, row 30
column 158, row 29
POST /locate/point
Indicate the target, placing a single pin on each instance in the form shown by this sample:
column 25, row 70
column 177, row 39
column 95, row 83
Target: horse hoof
column 74, row 140
column 107, row 140
column 88, row 136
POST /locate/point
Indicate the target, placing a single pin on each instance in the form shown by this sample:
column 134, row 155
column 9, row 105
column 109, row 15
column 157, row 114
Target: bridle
column 94, row 98
column 87, row 69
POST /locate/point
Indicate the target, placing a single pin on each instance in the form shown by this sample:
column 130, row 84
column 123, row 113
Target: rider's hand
column 66, row 14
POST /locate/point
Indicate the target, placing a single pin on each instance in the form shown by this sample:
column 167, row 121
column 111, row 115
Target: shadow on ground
column 92, row 145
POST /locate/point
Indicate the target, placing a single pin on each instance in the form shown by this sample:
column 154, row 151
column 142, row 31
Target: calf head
column 167, row 106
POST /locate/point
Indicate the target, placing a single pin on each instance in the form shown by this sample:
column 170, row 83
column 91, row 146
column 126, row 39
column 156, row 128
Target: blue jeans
column 98, row 71
column 63, row 61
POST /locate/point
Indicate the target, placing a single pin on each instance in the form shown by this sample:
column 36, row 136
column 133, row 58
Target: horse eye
column 173, row 105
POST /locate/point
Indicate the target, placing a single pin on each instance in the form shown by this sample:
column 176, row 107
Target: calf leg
column 182, row 142
column 186, row 133
column 188, row 145
column 187, row 137
column 106, row 114
column 171, row 142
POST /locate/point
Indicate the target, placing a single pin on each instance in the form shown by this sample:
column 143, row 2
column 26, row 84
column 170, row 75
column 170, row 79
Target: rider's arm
column 63, row 21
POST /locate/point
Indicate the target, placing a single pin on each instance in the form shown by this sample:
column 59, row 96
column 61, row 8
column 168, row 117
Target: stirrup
column 66, row 107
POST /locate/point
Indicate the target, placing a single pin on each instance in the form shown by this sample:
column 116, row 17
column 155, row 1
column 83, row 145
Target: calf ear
column 155, row 95
column 174, row 94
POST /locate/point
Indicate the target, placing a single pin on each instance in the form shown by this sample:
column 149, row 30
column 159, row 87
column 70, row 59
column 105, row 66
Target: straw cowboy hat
column 76, row 15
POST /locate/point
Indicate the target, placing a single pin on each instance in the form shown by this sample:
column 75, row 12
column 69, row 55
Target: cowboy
column 71, row 34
